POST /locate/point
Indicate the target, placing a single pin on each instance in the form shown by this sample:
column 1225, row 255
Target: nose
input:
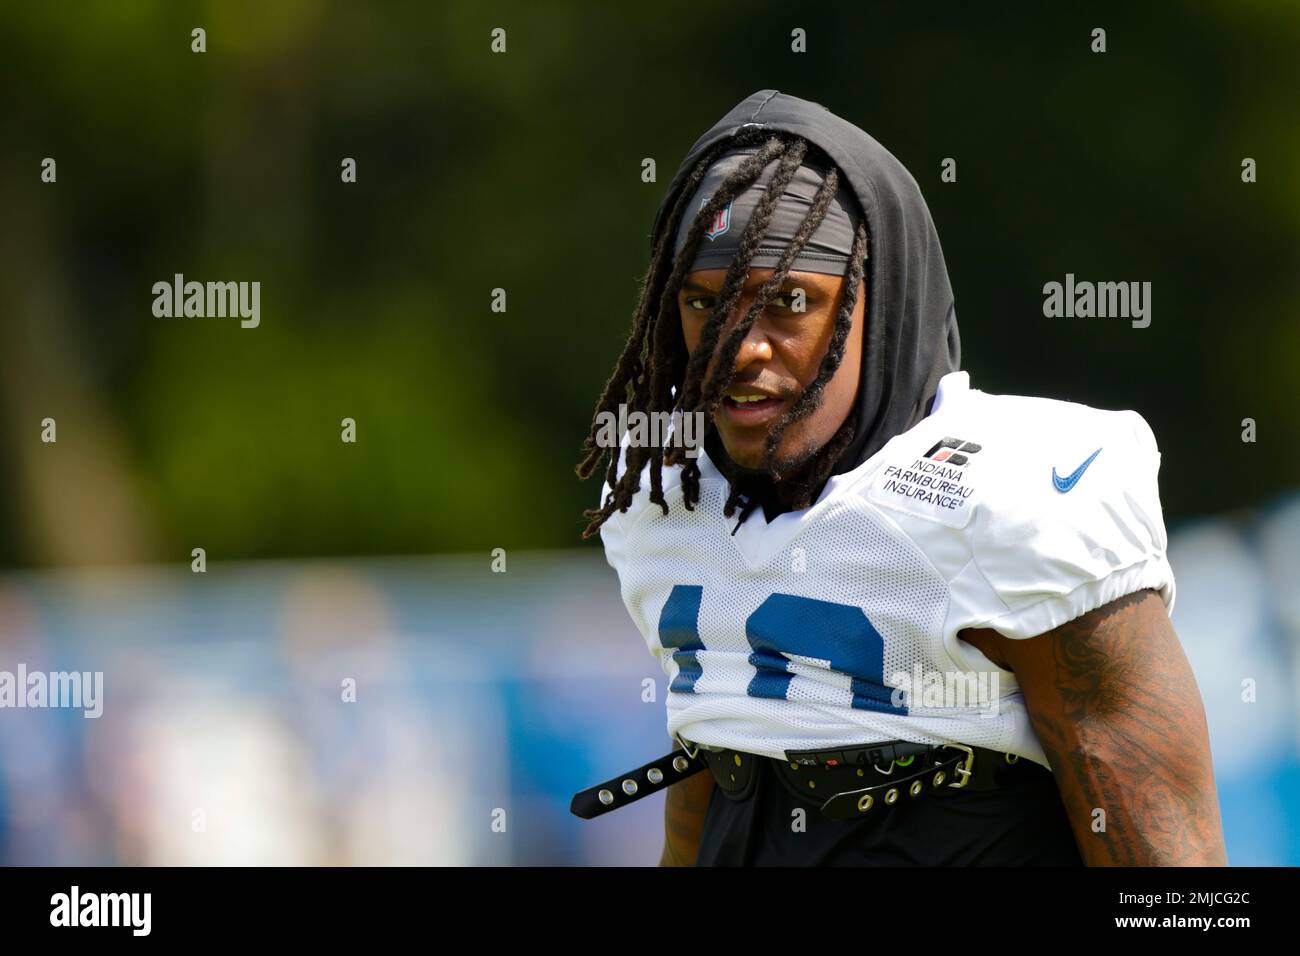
column 755, row 347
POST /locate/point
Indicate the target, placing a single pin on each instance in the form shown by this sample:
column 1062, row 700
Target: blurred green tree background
column 522, row 171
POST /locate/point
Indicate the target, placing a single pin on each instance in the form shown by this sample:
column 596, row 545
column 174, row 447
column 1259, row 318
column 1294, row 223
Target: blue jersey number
column 782, row 626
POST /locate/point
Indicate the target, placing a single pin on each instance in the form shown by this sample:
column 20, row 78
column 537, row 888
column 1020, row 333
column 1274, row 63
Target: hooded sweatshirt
column 911, row 338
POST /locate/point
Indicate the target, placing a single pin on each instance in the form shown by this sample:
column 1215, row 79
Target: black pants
column 1020, row 825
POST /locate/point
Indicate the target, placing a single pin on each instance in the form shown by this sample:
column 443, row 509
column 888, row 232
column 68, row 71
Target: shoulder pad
column 1048, row 509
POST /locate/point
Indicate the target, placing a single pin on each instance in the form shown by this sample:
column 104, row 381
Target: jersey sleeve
column 1070, row 530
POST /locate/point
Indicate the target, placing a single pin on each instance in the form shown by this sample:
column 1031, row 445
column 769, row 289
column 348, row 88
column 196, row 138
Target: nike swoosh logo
column 1069, row 481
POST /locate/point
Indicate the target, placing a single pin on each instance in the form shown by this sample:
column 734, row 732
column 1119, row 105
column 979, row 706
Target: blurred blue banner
column 438, row 712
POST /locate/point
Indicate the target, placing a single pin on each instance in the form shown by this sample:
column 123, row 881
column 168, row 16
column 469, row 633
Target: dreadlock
column 654, row 373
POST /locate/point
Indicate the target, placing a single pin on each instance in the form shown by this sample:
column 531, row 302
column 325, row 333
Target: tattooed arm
column 1116, row 708
column 684, row 810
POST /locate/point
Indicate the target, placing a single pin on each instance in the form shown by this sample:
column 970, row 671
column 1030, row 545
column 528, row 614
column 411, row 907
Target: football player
column 903, row 620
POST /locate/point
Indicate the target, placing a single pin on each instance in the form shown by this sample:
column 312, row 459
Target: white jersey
column 837, row 625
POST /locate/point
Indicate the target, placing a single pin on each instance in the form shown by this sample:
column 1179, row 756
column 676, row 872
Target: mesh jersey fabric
column 797, row 634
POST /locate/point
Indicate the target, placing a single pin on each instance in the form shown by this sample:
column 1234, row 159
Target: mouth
column 751, row 409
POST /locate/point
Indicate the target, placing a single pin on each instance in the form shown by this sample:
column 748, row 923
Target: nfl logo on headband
column 721, row 220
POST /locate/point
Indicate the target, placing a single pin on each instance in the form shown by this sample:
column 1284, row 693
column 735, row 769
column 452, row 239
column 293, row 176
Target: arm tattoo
column 1119, row 715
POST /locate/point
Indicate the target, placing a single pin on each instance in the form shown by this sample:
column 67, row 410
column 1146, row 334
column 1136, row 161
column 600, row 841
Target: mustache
column 779, row 388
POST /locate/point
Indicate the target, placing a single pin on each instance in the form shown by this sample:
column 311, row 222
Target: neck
column 757, row 485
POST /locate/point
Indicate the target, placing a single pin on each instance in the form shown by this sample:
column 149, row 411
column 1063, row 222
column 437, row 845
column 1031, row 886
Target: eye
column 786, row 301
column 700, row 303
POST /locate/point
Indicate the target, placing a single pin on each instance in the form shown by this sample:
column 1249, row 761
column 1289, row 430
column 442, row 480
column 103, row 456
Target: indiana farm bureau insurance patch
column 933, row 486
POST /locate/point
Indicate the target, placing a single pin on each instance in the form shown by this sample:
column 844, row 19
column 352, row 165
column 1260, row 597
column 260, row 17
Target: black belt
column 844, row 783
column 635, row 784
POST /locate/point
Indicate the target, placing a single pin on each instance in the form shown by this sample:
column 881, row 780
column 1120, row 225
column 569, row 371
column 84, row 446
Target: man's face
column 778, row 359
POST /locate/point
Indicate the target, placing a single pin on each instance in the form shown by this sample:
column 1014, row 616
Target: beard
column 758, row 484
column 779, row 469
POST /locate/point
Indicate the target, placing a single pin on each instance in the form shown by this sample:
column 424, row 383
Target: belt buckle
column 964, row 771
column 682, row 741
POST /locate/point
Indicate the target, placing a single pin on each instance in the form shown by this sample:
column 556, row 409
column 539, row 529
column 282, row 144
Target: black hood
column 911, row 339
